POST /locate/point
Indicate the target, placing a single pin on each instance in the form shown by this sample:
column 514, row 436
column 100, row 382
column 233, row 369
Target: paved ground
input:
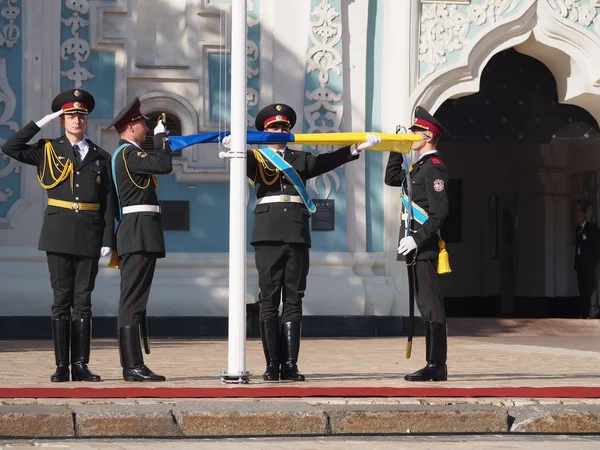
column 483, row 354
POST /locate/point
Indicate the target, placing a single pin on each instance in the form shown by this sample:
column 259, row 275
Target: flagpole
column 236, row 361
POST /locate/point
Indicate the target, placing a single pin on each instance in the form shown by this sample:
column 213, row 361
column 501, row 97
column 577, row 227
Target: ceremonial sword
column 412, row 256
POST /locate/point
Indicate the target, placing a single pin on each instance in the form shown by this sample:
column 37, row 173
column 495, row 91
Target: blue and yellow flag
column 399, row 143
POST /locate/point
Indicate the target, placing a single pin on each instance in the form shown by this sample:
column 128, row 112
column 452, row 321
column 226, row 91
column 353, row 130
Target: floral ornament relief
column 10, row 32
column 583, row 12
column 75, row 47
column 325, row 114
column 444, row 28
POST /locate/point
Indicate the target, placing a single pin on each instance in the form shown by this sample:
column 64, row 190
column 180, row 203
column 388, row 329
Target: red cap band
column 429, row 126
column 74, row 107
column 275, row 119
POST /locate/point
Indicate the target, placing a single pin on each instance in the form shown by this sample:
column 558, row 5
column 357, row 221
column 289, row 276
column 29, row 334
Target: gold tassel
column 114, row 260
column 443, row 259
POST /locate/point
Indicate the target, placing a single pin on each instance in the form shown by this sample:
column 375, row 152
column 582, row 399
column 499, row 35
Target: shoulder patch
column 436, row 160
column 438, row 185
column 142, row 154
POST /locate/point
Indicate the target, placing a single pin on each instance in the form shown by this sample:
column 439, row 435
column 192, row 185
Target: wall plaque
column 324, row 218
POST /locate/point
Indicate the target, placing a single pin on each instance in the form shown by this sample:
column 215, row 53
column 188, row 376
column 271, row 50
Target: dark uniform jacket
column 66, row 230
column 288, row 222
column 429, row 182
column 587, row 246
column 143, row 231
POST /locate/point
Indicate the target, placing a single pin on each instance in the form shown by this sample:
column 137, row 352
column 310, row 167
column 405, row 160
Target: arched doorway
column 519, row 157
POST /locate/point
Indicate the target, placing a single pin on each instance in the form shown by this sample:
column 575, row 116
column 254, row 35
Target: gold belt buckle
column 285, row 198
column 75, row 206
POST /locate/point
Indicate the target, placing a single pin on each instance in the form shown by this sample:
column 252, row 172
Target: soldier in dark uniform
column 429, row 181
column 281, row 238
column 78, row 223
column 140, row 240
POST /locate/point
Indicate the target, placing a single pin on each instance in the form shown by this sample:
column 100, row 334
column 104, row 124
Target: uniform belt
column 75, row 206
column 141, row 208
column 279, row 199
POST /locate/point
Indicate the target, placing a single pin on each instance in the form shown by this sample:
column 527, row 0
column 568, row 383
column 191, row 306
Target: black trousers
column 282, row 271
column 72, row 278
column 588, row 291
column 137, row 272
column 429, row 295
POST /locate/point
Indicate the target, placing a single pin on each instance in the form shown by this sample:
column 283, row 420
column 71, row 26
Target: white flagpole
column 236, row 367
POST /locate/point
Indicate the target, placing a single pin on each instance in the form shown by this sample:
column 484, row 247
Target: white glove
column 372, row 140
column 47, row 119
column 226, row 141
column 160, row 128
column 105, row 251
column 407, row 245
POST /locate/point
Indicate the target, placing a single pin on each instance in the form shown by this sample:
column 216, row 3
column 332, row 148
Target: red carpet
column 300, row 392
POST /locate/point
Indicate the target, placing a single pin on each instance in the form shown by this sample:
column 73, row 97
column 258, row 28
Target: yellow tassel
column 443, row 259
column 114, row 260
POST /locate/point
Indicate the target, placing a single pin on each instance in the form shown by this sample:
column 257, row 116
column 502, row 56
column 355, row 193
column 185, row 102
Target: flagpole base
column 235, row 378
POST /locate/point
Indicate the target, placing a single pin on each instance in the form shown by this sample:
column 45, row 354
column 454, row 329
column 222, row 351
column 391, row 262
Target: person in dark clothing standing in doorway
column 140, row 240
column 78, row 223
column 281, row 234
column 430, row 207
column 587, row 254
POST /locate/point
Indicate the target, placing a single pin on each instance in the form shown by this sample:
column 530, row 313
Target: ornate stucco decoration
column 445, row 28
column 253, row 62
column 583, row 12
column 9, row 100
column 75, row 47
column 323, row 112
column 10, row 32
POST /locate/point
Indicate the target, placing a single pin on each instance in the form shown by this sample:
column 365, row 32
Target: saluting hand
column 48, row 118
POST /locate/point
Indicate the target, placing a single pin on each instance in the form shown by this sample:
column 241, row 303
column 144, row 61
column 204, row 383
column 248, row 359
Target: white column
column 236, row 367
column 400, row 28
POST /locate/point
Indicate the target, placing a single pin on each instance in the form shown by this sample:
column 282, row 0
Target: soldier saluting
column 139, row 239
column 78, row 222
column 421, row 246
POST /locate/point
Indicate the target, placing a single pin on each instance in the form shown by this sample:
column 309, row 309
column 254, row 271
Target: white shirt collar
column 430, row 152
column 133, row 143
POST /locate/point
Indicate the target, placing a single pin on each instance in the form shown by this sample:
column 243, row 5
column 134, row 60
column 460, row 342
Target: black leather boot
column 60, row 335
column 269, row 333
column 81, row 336
column 132, row 360
column 290, row 347
column 436, row 344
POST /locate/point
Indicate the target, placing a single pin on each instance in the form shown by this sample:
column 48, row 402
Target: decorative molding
column 10, row 33
column 578, row 12
column 253, row 62
column 75, row 47
column 8, row 98
column 445, row 27
column 323, row 112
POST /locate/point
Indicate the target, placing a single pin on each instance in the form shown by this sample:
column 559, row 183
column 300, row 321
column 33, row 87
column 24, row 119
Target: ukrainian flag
column 399, row 143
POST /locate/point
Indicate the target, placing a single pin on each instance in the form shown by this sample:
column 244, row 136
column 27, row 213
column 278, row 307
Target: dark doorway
column 515, row 112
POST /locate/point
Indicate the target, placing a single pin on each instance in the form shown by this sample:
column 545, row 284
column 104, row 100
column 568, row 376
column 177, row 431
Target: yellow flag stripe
column 400, row 143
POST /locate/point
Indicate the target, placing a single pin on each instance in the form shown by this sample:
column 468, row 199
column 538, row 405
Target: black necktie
column 77, row 154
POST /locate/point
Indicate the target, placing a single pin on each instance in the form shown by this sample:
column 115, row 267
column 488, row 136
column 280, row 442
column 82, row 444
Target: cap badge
column 76, row 105
column 278, row 117
column 278, row 107
column 76, row 93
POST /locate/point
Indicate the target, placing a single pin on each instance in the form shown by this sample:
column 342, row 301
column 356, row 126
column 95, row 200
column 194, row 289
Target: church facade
column 514, row 81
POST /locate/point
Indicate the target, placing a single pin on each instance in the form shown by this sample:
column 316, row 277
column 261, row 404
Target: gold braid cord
column 150, row 177
column 268, row 175
column 52, row 160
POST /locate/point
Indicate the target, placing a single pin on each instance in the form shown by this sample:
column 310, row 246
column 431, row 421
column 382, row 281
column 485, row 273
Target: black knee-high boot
column 132, row 360
column 290, row 348
column 436, row 351
column 81, row 336
column 270, row 335
column 60, row 335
